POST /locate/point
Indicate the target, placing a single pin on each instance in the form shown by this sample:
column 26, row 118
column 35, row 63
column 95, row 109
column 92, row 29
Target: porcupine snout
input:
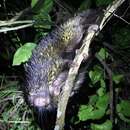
column 40, row 99
column 44, row 109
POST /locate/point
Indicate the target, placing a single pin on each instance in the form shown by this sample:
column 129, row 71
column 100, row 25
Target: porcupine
column 47, row 69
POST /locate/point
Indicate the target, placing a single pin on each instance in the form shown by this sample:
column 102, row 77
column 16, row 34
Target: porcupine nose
column 41, row 101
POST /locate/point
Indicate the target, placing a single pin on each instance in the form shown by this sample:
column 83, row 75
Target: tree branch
column 71, row 77
column 92, row 31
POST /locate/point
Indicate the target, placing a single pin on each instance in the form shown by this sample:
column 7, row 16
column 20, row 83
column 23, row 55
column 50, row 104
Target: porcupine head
column 44, row 71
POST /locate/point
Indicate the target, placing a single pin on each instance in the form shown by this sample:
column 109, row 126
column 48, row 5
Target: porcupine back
column 47, row 69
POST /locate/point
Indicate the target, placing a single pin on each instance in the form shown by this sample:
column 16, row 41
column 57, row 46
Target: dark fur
column 40, row 94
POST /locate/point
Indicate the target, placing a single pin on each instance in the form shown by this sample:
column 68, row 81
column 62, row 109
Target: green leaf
column 95, row 76
column 103, row 101
column 101, row 91
column 42, row 21
column 84, row 112
column 117, row 78
column 33, row 2
column 88, row 112
column 42, row 6
column 48, row 6
column 42, row 18
column 98, row 68
column 122, row 117
column 124, row 108
column 93, row 99
column 23, row 53
column 96, row 111
column 102, row 83
column 104, row 126
column 103, row 54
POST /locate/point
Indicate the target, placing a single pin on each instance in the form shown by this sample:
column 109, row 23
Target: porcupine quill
column 47, row 69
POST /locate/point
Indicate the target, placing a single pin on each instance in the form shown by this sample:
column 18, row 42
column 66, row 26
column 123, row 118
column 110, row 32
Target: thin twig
column 121, row 19
column 9, row 23
column 109, row 72
column 5, row 29
column 4, row 24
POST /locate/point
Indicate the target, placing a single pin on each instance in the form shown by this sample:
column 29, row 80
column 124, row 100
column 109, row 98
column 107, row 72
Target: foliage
column 23, row 53
column 107, row 125
column 33, row 3
column 97, row 107
column 96, row 112
column 16, row 113
column 42, row 21
column 123, row 110
column 96, row 74
column 103, row 54
column 41, row 5
column 117, row 78
column 42, row 18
